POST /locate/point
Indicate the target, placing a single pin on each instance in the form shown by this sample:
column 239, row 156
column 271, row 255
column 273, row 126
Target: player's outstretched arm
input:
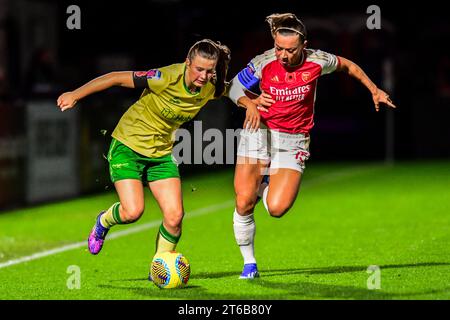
column 120, row 78
column 378, row 95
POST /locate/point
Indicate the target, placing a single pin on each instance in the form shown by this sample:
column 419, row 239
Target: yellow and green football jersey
column 148, row 126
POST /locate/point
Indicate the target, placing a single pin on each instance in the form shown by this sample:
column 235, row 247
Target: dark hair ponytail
column 210, row 49
column 286, row 23
column 222, row 69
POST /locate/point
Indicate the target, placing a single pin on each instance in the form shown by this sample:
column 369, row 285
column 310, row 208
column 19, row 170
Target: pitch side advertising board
column 52, row 152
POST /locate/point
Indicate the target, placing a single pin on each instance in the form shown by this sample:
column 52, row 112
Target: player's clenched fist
column 66, row 101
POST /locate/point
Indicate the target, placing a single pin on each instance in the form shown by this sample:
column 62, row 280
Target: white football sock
column 244, row 233
column 264, row 197
column 262, row 188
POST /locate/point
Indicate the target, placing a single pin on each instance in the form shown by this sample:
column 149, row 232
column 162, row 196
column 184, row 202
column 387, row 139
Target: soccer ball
column 170, row 270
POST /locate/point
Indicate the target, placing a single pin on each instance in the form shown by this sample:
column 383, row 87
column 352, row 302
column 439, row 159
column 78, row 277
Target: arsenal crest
column 306, row 76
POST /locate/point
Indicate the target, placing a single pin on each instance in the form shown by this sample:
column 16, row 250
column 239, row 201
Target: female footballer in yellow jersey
column 142, row 141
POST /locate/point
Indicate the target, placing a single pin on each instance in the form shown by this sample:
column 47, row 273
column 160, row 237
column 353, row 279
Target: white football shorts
column 282, row 150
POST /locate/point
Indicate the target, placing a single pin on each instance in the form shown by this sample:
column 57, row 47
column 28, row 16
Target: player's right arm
column 127, row 79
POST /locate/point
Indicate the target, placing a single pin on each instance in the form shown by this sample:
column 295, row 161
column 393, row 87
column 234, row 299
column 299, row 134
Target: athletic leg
column 247, row 180
column 252, row 161
column 167, row 193
column 281, row 192
column 128, row 210
column 289, row 153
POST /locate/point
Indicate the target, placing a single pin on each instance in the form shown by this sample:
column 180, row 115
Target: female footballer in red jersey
column 141, row 148
column 287, row 77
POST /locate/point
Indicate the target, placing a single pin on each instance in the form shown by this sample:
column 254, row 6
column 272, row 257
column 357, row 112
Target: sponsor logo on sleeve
column 140, row 74
column 154, row 74
column 251, row 68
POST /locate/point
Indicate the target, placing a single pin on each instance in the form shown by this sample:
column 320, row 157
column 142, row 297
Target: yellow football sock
column 166, row 241
column 111, row 217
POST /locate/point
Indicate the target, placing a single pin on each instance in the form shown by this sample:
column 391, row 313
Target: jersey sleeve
column 153, row 79
column 250, row 76
column 329, row 62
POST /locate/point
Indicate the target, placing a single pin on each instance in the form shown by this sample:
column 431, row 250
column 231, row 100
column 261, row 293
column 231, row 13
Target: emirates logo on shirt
column 289, row 94
column 306, row 76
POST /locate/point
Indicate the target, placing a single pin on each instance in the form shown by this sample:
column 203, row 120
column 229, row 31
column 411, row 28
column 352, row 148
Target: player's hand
column 263, row 101
column 379, row 96
column 66, row 101
column 252, row 118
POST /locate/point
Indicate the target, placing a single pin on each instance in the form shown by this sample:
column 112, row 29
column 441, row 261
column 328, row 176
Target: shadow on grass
column 347, row 269
column 321, row 270
column 272, row 290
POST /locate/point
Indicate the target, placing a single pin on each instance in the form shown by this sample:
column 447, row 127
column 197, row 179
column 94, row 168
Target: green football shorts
column 124, row 163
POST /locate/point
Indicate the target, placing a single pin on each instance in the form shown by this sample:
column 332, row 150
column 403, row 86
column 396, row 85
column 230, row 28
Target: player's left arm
column 352, row 69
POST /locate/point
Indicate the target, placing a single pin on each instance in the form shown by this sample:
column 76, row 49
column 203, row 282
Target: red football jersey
column 293, row 89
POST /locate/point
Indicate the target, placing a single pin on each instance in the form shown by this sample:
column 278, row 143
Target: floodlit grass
column 347, row 217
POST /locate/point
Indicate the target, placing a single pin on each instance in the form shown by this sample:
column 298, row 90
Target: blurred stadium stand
column 46, row 156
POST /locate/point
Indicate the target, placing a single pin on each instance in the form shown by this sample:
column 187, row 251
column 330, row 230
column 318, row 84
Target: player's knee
column 245, row 203
column 132, row 213
column 277, row 209
column 173, row 219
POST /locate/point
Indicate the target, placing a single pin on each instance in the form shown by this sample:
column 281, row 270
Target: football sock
column 166, row 241
column 244, row 233
column 111, row 217
column 262, row 188
column 264, row 198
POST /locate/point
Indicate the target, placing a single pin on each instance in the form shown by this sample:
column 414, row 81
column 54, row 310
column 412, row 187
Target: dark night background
column 40, row 58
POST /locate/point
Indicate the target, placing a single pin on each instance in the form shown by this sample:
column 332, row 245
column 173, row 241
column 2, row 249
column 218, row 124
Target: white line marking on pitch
column 115, row 235
column 118, row 234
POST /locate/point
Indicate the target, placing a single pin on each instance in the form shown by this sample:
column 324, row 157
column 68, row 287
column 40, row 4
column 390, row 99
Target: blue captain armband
column 248, row 79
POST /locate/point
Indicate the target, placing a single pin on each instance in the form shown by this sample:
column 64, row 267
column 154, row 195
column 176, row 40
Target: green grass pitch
column 347, row 217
